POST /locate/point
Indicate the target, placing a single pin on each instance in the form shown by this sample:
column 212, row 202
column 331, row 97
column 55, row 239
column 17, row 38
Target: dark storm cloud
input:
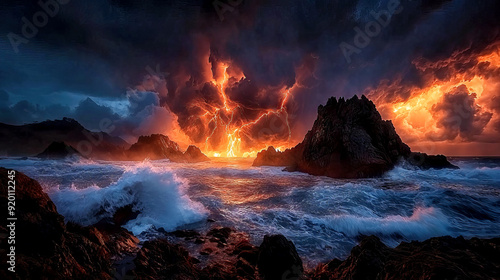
column 460, row 116
column 24, row 112
column 4, row 97
column 99, row 48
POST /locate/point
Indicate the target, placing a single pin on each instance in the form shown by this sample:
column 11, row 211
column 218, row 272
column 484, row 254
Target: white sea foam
column 422, row 224
column 156, row 192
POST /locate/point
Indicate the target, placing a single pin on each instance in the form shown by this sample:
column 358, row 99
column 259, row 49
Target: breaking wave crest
column 156, row 192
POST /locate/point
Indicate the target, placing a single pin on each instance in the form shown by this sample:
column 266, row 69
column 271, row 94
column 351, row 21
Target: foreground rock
column 161, row 260
column 47, row 248
column 349, row 139
column 225, row 254
column 58, row 150
column 436, row 258
column 158, row 146
column 278, row 259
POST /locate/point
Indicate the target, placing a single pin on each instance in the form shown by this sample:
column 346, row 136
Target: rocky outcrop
column 349, row 139
column 271, row 157
column 47, row 248
column 425, row 161
column 155, row 146
column 436, row 258
column 58, row 150
column 194, row 154
column 158, row 146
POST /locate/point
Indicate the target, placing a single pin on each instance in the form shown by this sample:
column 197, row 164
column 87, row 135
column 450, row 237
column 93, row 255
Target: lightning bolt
column 233, row 131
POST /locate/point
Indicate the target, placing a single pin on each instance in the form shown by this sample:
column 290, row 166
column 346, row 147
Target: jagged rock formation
column 349, row 139
column 158, row 146
column 436, row 258
column 47, row 248
column 58, row 150
column 31, row 139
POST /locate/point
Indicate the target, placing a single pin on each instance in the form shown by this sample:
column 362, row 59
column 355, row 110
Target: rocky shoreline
column 47, row 248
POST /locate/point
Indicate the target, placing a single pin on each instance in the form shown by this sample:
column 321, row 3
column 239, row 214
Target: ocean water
column 324, row 217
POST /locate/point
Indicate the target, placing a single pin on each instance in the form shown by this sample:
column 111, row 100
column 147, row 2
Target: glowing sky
column 234, row 79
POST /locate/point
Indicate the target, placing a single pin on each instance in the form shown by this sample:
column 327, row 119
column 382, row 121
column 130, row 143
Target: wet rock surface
column 436, row 258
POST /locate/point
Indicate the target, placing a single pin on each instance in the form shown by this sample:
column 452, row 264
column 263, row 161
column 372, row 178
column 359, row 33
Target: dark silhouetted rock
column 271, row 157
column 155, row 146
column 58, row 150
column 194, row 154
column 436, row 258
column 278, row 259
column 31, row 139
column 349, row 139
column 46, row 248
column 158, row 146
column 425, row 161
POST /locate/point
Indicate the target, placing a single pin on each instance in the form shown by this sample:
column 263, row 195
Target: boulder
column 278, row 259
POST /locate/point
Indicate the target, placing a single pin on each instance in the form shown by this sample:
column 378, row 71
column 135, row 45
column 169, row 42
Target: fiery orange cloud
column 429, row 115
column 231, row 132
